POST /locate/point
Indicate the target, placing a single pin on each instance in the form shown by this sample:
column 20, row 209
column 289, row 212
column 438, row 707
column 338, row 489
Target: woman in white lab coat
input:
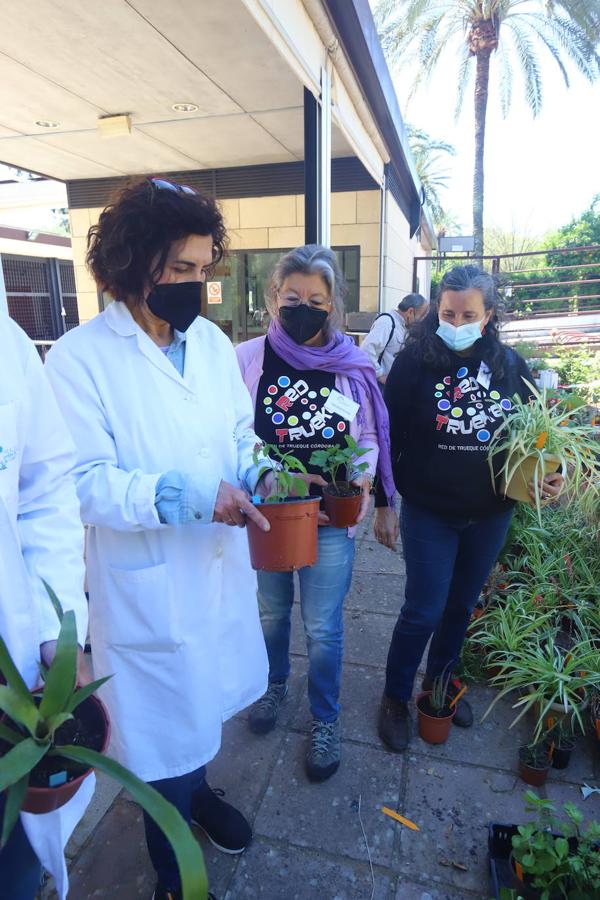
column 163, row 427
column 40, row 538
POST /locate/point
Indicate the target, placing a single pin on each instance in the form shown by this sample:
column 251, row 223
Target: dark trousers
column 180, row 792
column 20, row 871
column 447, row 563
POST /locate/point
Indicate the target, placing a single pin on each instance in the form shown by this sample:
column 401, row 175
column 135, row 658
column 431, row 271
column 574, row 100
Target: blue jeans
column 20, row 870
column 179, row 791
column 322, row 591
column 447, row 563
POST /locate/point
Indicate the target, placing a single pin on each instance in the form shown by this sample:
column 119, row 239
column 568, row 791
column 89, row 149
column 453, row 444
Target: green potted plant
column 533, row 441
column 553, row 683
column 435, row 710
column 293, row 515
column 562, row 743
column 556, row 857
column 534, row 762
column 51, row 740
column 341, row 498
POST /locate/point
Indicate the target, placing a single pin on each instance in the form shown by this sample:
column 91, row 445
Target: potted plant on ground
column 595, row 711
column 341, row 498
column 562, row 743
column 556, row 858
column 534, row 762
column 435, row 710
column 51, row 739
column 293, row 515
column 531, row 442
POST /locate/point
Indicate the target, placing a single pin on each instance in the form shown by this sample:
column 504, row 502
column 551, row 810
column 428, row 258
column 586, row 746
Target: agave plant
column 533, row 429
column 30, row 728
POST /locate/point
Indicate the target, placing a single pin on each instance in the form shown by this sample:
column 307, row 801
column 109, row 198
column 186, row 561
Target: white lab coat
column 173, row 609
column 40, row 538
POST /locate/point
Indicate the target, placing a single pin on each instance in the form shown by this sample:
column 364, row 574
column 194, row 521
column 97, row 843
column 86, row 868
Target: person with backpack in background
column 388, row 333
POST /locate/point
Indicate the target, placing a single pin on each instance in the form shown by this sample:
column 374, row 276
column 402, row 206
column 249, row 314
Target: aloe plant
column 34, row 721
column 532, row 428
column 331, row 459
column 287, row 484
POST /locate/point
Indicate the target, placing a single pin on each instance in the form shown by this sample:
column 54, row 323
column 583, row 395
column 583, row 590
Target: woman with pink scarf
column 306, row 360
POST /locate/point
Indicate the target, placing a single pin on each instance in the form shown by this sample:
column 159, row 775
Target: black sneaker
column 394, row 723
column 163, row 893
column 224, row 826
column 263, row 714
column 463, row 716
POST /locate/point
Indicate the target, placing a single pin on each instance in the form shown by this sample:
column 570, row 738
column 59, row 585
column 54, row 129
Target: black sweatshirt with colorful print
column 441, row 422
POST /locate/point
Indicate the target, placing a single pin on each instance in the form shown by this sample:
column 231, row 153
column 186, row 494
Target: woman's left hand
column 550, row 488
column 364, row 483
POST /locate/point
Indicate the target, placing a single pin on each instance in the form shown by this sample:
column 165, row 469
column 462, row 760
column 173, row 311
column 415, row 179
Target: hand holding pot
column 386, row 527
column 47, row 653
column 364, row 483
column 550, row 487
column 233, row 507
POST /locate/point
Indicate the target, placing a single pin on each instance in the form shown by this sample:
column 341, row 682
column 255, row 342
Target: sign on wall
column 214, row 291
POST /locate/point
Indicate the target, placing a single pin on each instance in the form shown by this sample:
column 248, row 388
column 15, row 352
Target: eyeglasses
column 316, row 302
column 162, row 185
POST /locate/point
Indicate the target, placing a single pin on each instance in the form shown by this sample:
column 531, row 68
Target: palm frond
column 529, row 64
column 506, row 78
column 464, row 79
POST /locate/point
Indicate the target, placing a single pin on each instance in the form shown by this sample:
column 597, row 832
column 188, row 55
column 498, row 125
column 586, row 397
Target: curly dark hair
column 425, row 344
column 128, row 248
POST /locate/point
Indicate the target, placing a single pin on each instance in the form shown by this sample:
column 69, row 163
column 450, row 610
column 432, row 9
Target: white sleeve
column 48, row 520
column 247, row 439
column 109, row 496
column 375, row 342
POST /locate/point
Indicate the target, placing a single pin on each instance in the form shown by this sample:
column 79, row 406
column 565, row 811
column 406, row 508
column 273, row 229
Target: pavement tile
column 583, row 767
column 561, row 793
column 410, row 891
column 106, row 792
column 360, row 696
column 274, row 872
column 453, row 805
column 376, row 593
column 325, row 816
column 374, row 557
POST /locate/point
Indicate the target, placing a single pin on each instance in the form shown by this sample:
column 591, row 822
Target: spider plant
column 533, row 430
column 550, row 675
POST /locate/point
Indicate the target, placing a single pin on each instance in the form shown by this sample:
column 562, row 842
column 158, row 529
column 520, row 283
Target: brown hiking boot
column 394, row 723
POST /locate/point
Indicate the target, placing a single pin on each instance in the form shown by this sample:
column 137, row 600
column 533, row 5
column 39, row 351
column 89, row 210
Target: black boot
column 224, row 826
column 394, row 723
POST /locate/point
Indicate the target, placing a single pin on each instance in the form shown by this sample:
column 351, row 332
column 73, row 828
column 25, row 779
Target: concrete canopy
column 70, row 63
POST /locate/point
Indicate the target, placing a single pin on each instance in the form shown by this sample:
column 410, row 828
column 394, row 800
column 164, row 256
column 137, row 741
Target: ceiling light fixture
column 46, row 123
column 184, row 107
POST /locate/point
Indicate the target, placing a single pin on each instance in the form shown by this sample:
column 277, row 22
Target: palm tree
column 428, row 154
column 474, row 30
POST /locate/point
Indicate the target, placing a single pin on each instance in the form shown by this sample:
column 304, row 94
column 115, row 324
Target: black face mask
column 301, row 322
column 178, row 304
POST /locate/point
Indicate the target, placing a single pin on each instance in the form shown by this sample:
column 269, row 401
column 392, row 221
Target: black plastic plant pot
column 561, row 756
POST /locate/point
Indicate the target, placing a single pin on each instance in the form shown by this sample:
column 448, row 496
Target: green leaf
column 53, row 723
column 21, row 710
column 14, row 800
column 60, row 680
column 187, row 851
column 55, row 601
column 11, row 673
column 19, row 761
column 9, row 735
column 85, row 692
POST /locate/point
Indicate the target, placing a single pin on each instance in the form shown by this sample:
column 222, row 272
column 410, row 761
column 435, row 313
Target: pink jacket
column 251, row 355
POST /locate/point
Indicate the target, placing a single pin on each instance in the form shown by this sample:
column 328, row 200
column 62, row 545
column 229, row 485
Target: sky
column 539, row 173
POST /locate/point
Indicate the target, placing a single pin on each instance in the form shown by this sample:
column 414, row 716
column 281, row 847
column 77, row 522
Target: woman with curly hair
column 446, row 393
column 163, row 427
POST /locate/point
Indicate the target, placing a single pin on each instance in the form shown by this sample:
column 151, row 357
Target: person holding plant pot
column 163, row 426
column 312, row 386
column 446, row 394
column 40, row 538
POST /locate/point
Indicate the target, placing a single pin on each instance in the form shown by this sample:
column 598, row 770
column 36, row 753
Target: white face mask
column 460, row 338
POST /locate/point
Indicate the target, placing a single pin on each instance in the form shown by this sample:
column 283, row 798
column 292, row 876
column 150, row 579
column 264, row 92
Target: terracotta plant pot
column 292, row 541
column 532, row 774
column 46, row 799
column 343, row 510
column 433, row 729
column 518, row 486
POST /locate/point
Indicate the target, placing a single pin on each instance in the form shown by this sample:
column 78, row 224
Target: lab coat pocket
column 9, row 465
column 142, row 614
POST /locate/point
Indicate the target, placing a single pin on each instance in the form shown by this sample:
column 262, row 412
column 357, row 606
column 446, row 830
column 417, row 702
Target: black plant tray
column 499, row 849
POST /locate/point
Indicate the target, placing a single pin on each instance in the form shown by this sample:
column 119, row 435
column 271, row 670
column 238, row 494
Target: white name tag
column 342, row 405
column 484, row 376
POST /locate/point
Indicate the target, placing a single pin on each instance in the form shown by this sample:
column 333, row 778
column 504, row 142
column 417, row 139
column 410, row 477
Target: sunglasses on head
column 163, row 185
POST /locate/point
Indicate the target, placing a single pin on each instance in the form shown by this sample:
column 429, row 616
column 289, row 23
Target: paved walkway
column 309, row 843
